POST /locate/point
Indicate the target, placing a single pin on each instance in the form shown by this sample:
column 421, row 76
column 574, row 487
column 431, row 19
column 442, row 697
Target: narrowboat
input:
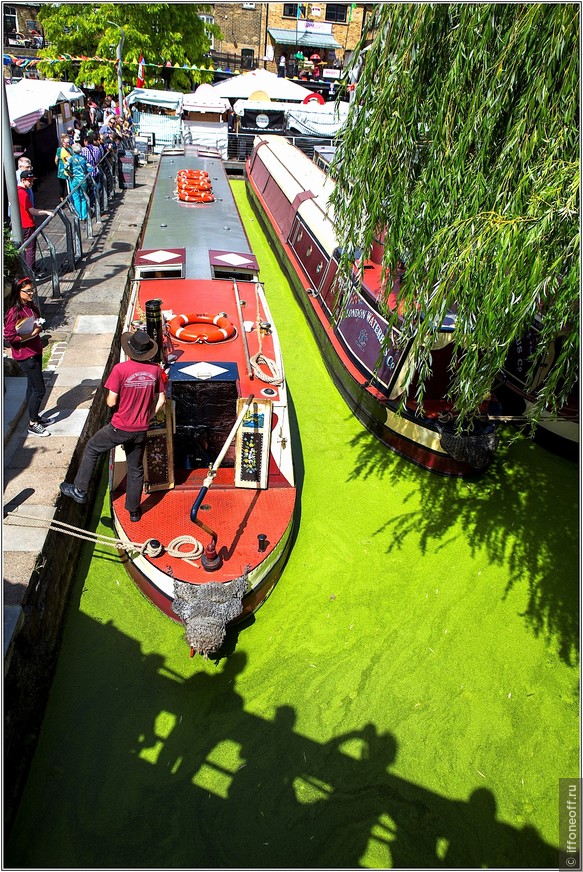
column 217, row 510
column 517, row 395
column 291, row 196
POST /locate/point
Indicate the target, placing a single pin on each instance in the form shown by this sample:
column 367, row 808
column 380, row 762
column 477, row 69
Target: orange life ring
column 202, row 328
column 192, row 174
column 194, row 186
column 190, row 196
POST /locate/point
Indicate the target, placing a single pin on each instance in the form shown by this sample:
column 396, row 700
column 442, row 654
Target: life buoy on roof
column 192, row 174
column 194, row 185
column 314, row 98
column 202, row 328
column 192, row 196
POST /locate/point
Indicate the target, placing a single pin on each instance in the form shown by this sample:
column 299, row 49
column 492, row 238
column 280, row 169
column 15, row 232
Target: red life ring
column 194, row 186
column 191, row 196
column 315, row 97
column 202, row 328
column 192, row 174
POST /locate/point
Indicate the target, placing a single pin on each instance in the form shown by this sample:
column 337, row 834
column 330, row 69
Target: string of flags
column 32, row 62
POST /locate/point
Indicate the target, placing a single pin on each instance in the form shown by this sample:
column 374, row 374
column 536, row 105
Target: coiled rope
column 276, row 377
column 147, row 548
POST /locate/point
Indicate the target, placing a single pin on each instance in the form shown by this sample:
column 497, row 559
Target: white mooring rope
column 173, row 550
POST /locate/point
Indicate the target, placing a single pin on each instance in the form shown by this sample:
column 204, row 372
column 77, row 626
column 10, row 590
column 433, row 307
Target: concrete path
column 81, row 329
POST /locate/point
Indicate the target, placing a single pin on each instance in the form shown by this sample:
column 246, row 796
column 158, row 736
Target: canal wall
column 83, row 330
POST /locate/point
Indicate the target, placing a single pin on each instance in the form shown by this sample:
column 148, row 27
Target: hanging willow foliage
column 462, row 145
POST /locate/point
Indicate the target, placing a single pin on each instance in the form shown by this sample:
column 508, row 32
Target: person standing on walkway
column 77, row 169
column 136, row 389
column 22, row 329
column 61, row 159
column 24, row 163
column 27, row 215
column 281, row 67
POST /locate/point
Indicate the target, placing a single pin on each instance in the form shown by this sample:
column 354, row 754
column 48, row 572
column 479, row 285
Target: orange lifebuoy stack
column 194, row 186
column 202, row 328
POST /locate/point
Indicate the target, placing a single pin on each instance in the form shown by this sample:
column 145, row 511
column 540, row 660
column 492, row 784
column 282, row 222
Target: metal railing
column 241, row 144
column 59, row 239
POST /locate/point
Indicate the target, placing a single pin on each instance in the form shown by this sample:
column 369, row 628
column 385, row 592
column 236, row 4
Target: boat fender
column 202, row 328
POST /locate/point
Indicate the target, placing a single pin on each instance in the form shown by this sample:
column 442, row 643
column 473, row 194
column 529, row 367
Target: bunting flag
column 141, row 80
column 9, row 59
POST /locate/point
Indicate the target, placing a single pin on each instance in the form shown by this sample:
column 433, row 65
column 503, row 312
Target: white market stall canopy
column 317, row 120
column 309, row 118
column 49, row 91
column 205, row 119
column 157, row 99
column 29, row 99
column 246, row 84
column 205, row 99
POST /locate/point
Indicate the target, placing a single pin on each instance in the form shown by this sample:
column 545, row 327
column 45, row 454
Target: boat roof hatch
column 241, row 265
column 200, row 370
column 160, row 263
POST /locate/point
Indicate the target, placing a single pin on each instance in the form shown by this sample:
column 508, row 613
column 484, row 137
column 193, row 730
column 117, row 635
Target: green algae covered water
column 407, row 697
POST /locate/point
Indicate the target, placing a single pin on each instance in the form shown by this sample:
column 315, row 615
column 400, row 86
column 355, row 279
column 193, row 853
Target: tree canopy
column 161, row 32
column 462, row 146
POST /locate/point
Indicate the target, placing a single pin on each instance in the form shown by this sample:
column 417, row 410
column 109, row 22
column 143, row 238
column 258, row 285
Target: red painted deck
column 237, row 515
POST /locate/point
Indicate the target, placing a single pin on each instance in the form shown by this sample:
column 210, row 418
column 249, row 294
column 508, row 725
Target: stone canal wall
column 40, row 566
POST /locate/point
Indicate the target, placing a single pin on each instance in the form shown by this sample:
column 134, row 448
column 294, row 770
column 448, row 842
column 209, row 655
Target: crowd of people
column 98, row 132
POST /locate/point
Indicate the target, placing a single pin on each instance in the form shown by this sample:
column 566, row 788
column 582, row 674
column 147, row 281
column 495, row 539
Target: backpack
column 98, row 115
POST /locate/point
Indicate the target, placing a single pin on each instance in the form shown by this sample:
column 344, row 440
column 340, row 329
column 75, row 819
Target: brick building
column 257, row 34
column 22, row 36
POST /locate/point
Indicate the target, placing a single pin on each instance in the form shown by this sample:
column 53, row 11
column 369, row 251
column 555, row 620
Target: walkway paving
column 81, row 329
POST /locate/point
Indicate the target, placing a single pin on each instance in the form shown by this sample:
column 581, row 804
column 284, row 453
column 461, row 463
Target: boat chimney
column 154, row 327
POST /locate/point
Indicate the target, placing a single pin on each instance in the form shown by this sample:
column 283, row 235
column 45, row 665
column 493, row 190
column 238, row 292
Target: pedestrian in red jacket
column 22, row 329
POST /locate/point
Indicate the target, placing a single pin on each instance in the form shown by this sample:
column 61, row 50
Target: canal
column 406, row 697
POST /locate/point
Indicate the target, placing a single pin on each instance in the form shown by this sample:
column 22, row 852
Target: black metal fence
column 59, row 239
column 241, row 144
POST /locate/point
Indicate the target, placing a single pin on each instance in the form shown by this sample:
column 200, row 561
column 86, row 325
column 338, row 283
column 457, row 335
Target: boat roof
column 211, row 227
column 295, row 173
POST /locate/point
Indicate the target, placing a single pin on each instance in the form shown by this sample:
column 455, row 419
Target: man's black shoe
column 136, row 516
column 69, row 490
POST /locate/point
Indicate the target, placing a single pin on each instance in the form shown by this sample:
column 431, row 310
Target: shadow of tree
column 523, row 512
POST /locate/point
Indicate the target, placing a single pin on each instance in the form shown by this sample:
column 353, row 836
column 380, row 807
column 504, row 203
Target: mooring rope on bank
column 147, row 547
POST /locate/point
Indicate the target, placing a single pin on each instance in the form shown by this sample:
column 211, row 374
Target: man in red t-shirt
column 27, row 213
column 136, row 388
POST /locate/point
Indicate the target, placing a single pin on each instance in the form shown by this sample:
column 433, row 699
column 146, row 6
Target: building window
column 208, row 19
column 295, row 10
column 10, row 19
column 336, row 12
column 247, row 59
column 248, row 5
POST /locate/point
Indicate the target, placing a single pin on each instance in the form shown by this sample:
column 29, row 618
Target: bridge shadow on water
column 180, row 774
column 523, row 512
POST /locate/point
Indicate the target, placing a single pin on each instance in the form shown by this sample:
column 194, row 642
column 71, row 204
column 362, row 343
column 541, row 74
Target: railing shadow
column 188, row 776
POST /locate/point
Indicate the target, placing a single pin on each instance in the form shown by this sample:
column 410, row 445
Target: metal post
column 119, row 70
column 10, row 172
